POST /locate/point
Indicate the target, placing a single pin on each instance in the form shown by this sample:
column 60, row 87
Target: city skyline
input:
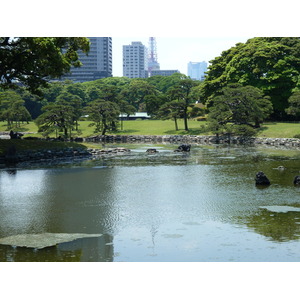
column 176, row 52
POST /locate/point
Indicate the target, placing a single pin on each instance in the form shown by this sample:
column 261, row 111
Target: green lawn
column 158, row 127
column 279, row 130
column 23, row 145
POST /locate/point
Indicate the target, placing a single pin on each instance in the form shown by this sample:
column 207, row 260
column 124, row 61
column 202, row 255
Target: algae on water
column 43, row 240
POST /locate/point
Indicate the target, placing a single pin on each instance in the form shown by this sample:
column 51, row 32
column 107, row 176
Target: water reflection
column 23, row 204
column 200, row 206
column 276, row 226
column 83, row 250
column 58, row 200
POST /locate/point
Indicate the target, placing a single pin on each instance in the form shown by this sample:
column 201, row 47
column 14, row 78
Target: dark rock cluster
column 117, row 150
column 261, row 179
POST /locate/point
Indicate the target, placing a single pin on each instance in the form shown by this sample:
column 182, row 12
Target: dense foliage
column 63, row 103
column 32, row 60
column 244, row 86
column 238, row 110
column 270, row 64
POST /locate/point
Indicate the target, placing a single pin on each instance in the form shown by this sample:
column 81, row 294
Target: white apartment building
column 135, row 60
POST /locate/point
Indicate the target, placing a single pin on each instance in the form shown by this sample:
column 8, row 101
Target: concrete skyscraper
column 196, row 70
column 135, row 62
column 97, row 64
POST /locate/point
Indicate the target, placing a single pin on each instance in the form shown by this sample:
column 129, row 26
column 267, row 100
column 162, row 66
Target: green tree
column 52, row 91
column 270, row 64
column 76, row 89
column 136, row 92
column 56, row 117
column 72, row 103
column 32, row 103
column 92, row 93
column 183, row 92
column 154, row 102
column 238, row 109
column 93, row 88
column 103, row 114
column 294, row 104
column 32, row 61
column 164, row 83
column 125, row 109
column 172, row 110
column 12, row 109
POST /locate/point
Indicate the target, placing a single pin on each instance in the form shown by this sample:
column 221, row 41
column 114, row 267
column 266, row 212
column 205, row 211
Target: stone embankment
column 54, row 155
column 13, row 157
column 74, row 153
column 193, row 139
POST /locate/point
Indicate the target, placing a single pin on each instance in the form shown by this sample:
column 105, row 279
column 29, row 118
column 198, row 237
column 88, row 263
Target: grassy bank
column 158, row 127
column 23, row 145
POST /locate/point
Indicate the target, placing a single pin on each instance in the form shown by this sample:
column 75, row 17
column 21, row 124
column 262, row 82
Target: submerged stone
column 297, row 180
column 261, row 179
column 43, row 240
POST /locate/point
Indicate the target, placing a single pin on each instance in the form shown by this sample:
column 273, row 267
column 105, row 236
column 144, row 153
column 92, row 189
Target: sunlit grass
column 279, row 130
column 158, row 127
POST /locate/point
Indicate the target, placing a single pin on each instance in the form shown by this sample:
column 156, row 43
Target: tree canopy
column 270, row 64
column 32, row 61
column 238, row 108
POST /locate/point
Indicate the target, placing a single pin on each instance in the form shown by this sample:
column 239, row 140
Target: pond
column 201, row 206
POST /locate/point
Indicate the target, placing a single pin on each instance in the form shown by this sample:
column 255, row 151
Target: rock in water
column 262, row 179
column 43, row 240
column 297, row 180
column 151, row 151
column 183, row 148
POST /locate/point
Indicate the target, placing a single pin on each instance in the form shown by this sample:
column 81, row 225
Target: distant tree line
column 61, row 104
column 246, row 85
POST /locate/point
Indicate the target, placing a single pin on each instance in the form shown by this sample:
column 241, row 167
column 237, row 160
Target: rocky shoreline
column 56, row 155
column 79, row 153
column 193, row 139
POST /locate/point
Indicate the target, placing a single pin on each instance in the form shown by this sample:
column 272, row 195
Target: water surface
column 197, row 206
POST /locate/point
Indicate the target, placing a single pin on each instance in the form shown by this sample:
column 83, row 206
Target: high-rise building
column 96, row 64
column 135, row 60
column 196, row 70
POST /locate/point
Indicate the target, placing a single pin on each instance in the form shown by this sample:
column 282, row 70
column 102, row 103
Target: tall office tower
column 97, row 64
column 152, row 60
column 196, row 70
column 135, row 60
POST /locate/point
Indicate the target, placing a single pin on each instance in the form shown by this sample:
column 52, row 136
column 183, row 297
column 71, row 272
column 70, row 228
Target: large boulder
column 151, row 151
column 297, row 180
column 262, row 179
column 183, row 148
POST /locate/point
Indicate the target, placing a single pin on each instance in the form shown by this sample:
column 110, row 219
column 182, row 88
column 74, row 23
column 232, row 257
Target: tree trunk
column 66, row 132
column 186, row 128
column 104, row 128
column 176, row 125
column 113, row 125
column 257, row 124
